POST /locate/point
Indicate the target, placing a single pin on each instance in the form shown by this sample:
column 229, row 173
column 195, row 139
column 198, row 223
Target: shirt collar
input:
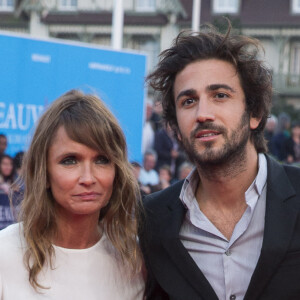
column 261, row 177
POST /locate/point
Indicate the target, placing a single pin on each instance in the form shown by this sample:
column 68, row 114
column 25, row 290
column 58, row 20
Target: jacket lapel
column 178, row 253
column 280, row 219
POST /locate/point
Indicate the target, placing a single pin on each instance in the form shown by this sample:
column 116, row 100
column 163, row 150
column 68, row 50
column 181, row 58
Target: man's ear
column 254, row 122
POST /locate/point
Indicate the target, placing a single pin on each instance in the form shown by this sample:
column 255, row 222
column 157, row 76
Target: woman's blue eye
column 103, row 160
column 69, row 161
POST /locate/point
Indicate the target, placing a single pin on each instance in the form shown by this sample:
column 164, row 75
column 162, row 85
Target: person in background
column 281, row 135
column 156, row 116
column 18, row 159
column 166, row 148
column 7, row 177
column 148, row 129
column 144, row 189
column 7, row 173
column 77, row 238
column 185, row 169
column 148, row 175
column 292, row 146
column 18, row 193
column 231, row 229
column 3, row 144
column 269, row 132
column 165, row 178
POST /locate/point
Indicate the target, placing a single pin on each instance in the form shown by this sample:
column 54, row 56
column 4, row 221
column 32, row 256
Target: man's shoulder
column 274, row 165
column 293, row 173
column 164, row 197
column 283, row 173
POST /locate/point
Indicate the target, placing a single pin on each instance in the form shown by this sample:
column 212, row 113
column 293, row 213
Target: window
column 295, row 59
column 7, row 5
column 68, row 4
column 295, row 65
column 145, row 5
column 225, row 6
column 296, row 6
column 146, row 44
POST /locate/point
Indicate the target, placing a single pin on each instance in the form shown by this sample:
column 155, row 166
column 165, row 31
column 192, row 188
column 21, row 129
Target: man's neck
column 226, row 184
column 221, row 194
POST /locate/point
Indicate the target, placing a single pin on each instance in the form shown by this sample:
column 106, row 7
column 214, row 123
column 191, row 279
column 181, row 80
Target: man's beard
column 231, row 152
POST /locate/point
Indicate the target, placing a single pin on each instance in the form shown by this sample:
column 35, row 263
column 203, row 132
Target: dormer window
column 226, row 6
column 145, row 5
column 296, row 6
column 67, row 4
column 7, row 5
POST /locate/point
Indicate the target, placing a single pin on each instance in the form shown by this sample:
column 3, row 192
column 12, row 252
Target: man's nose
column 205, row 111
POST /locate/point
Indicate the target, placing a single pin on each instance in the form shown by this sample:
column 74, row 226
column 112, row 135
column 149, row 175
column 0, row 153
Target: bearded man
column 231, row 229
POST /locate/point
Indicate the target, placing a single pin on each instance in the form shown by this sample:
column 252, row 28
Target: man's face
column 211, row 112
column 149, row 162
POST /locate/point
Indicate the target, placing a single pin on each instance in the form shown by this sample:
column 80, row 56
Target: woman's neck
column 77, row 232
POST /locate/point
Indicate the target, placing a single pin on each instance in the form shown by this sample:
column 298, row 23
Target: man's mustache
column 208, row 126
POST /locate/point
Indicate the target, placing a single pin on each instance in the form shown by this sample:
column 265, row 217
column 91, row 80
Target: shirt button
column 228, row 253
column 232, row 297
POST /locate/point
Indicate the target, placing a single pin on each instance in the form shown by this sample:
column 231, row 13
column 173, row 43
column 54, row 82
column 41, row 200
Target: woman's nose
column 87, row 176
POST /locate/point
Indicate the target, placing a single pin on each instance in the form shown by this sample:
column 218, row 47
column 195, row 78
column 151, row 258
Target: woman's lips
column 87, row 195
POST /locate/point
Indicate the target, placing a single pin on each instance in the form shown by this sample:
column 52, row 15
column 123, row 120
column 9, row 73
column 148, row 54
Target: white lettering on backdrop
column 19, row 116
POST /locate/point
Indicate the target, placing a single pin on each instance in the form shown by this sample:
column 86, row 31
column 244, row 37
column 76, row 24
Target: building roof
column 254, row 13
column 103, row 18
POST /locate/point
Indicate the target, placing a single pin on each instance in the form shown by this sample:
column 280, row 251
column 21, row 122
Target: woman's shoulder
column 11, row 236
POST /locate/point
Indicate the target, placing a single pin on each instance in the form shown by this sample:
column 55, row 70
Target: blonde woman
column 78, row 230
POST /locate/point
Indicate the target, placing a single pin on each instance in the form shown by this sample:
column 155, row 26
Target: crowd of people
column 9, row 172
column 208, row 214
column 163, row 157
column 283, row 137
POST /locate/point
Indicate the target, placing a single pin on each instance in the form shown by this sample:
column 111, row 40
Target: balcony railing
column 287, row 83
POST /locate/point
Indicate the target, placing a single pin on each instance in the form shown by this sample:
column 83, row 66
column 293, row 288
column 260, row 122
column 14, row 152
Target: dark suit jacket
column 173, row 274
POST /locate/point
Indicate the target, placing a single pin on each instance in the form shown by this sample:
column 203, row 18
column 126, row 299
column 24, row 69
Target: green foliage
column 221, row 23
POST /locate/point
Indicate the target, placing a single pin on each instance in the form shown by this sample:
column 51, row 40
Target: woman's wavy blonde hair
column 86, row 120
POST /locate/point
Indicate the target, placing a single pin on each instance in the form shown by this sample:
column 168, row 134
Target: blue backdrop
column 35, row 72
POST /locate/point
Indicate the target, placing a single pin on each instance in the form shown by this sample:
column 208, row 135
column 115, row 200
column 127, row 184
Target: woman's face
column 80, row 178
column 6, row 166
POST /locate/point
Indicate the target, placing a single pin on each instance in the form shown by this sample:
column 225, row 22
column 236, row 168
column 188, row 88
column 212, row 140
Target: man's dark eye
column 221, row 95
column 188, row 101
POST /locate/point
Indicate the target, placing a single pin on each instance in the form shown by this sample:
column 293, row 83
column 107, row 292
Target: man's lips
column 203, row 134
